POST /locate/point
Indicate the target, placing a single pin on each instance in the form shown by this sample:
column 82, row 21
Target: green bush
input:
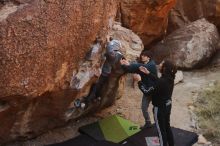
column 208, row 112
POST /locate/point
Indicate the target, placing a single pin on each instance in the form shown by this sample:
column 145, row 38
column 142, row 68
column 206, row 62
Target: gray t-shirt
column 113, row 55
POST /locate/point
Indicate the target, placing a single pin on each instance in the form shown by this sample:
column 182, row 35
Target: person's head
column 110, row 38
column 167, row 68
column 114, row 45
column 145, row 56
column 98, row 40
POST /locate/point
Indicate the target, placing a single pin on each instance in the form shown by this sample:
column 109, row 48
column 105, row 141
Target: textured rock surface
column 198, row 9
column 185, row 11
column 131, row 43
column 216, row 60
column 179, row 77
column 42, row 43
column 189, row 47
column 147, row 18
column 176, row 20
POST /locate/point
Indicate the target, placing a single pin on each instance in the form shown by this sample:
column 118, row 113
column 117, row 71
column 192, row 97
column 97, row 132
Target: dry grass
column 208, row 112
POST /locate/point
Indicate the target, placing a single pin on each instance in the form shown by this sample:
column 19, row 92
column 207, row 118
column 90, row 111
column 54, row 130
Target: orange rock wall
column 42, row 43
column 146, row 18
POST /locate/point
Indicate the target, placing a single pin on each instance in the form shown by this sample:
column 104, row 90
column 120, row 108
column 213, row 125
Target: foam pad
column 113, row 128
column 84, row 140
column 181, row 137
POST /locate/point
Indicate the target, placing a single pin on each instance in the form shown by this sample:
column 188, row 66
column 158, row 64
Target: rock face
column 186, row 11
column 131, row 43
column 216, row 60
column 42, row 45
column 147, row 18
column 189, row 47
column 114, row 87
column 179, row 77
column 176, row 20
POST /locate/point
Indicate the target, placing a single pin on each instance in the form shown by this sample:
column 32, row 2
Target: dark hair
column 110, row 38
column 98, row 40
column 146, row 53
column 169, row 69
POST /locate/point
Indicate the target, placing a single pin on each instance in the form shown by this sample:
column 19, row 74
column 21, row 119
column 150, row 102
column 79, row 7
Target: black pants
column 96, row 89
column 162, row 120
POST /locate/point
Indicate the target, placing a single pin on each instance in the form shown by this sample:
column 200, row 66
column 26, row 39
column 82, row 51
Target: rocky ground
column 185, row 93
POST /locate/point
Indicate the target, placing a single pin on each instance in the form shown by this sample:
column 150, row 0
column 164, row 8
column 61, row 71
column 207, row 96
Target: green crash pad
column 113, row 128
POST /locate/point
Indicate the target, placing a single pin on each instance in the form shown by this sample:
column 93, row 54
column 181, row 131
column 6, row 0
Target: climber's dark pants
column 96, row 89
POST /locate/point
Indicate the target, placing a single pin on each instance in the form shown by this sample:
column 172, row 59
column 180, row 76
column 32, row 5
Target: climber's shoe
column 77, row 103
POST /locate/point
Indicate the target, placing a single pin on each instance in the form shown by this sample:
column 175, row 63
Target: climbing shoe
column 147, row 125
column 83, row 105
column 77, row 103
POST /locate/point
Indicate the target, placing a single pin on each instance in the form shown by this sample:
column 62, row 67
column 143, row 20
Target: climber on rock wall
column 113, row 56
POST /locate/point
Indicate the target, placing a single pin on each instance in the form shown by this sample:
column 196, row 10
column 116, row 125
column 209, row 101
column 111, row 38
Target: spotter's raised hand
column 144, row 70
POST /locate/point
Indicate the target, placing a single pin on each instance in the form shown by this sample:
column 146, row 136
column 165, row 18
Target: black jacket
column 161, row 92
column 151, row 66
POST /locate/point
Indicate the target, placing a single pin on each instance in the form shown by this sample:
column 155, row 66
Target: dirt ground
column 128, row 106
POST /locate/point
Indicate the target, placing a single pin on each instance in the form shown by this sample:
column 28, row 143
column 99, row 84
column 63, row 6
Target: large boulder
column 131, row 43
column 185, row 11
column 189, row 47
column 114, row 87
column 43, row 43
column 147, row 18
